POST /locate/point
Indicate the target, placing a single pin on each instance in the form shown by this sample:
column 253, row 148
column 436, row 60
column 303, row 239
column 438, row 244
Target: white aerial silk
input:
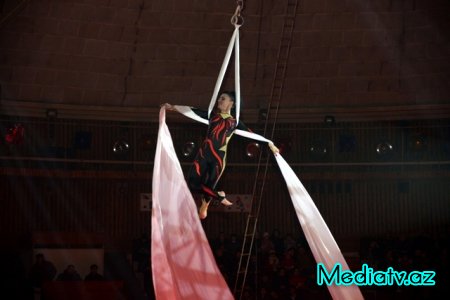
column 320, row 240
column 319, row 237
column 183, row 265
column 234, row 44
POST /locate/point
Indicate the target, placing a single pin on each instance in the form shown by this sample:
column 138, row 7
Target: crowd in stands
column 415, row 252
column 43, row 270
column 283, row 266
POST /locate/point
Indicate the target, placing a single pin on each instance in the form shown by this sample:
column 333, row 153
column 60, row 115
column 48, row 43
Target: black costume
column 210, row 160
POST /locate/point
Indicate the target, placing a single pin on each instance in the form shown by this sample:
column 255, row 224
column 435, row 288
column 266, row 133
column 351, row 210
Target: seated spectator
column 266, row 244
column 42, row 270
column 278, row 242
column 220, row 242
column 288, row 261
column 289, row 242
column 234, row 244
column 69, row 274
column 297, row 280
column 93, row 274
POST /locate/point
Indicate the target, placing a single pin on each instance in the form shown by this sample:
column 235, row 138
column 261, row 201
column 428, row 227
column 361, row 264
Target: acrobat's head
column 225, row 102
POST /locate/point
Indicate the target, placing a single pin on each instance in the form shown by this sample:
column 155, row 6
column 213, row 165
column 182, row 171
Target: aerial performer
column 210, row 161
column 192, row 273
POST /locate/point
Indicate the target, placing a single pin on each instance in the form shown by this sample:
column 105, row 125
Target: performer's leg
column 215, row 172
column 197, row 175
column 203, row 176
column 203, row 211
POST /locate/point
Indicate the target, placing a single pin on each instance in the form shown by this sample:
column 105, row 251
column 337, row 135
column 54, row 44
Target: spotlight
column 418, row 143
column 51, row 113
column 252, row 150
column 147, row 142
column 15, row 135
column 121, row 147
column 318, row 148
column 188, row 149
column 284, row 145
column 329, row 120
column 384, row 148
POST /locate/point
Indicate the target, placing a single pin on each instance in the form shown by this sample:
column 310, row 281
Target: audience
column 41, row 271
column 284, row 268
column 93, row 274
column 69, row 274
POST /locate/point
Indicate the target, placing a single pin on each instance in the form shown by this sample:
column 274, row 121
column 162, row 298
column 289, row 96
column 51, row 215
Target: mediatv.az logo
column 367, row 276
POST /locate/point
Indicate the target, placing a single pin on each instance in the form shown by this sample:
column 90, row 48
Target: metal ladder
column 271, row 116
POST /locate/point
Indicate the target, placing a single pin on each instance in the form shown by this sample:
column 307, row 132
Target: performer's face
column 225, row 103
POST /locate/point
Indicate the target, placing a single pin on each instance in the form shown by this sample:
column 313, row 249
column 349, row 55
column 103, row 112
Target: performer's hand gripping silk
column 210, row 160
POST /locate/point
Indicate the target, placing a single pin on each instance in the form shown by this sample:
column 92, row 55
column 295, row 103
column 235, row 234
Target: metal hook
column 237, row 19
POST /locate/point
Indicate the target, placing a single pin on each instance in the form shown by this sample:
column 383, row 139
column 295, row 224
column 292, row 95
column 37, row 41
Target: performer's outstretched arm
column 202, row 116
column 248, row 134
column 242, row 127
column 190, row 112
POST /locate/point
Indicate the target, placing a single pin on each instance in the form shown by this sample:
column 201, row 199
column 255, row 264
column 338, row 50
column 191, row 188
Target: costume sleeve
column 199, row 112
column 243, row 127
column 189, row 112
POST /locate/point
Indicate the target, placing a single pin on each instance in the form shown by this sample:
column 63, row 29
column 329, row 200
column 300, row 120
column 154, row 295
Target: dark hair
column 232, row 95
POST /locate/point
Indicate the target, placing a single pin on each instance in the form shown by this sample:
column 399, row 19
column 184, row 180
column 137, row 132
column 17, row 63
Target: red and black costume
column 211, row 157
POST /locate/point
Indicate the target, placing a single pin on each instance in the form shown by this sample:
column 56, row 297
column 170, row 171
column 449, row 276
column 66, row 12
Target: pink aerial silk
column 320, row 240
column 183, row 265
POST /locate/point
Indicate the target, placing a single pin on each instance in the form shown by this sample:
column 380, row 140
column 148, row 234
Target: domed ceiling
column 118, row 59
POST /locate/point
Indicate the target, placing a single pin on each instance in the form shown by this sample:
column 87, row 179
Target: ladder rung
column 277, row 89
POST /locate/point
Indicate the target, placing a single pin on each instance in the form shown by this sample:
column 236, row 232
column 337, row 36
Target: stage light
column 418, row 143
column 284, row 144
column 147, row 142
column 15, row 135
column 51, row 113
column 384, row 148
column 318, row 148
column 188, row 149
column 252, row 150
column 121, row 147
column 329, row 120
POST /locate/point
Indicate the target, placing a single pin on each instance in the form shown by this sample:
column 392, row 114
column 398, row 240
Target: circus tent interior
column 355, row 94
